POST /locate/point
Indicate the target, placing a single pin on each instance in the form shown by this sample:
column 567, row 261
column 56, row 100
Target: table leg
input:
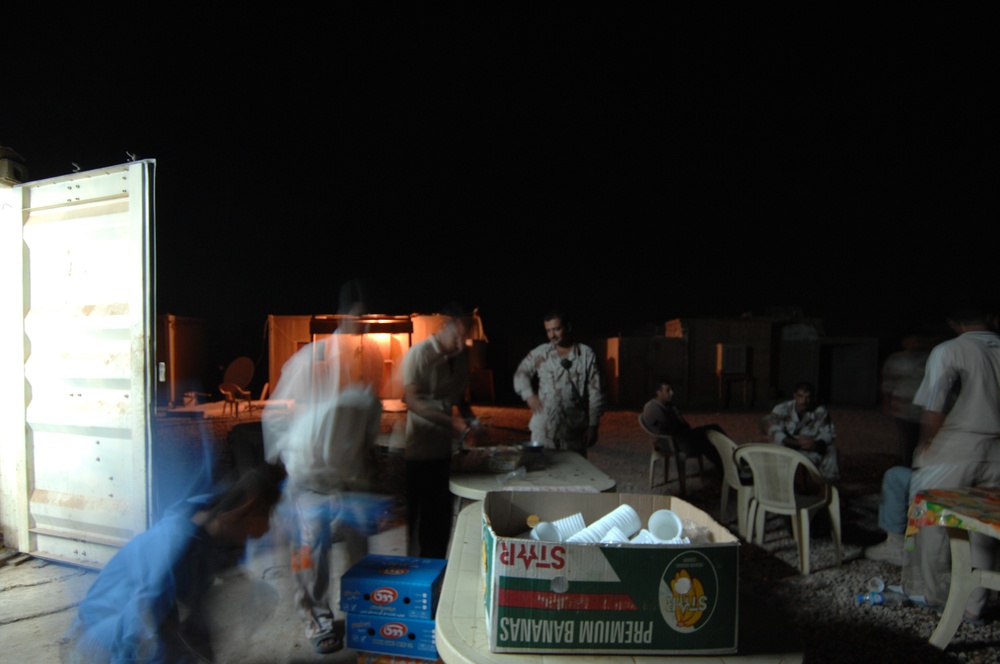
column 964, row 580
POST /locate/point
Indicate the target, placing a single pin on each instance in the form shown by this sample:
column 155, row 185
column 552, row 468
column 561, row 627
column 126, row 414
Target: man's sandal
column 327, row 642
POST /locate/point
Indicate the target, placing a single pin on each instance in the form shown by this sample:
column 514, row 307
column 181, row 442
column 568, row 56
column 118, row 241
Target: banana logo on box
column 688, row 592
column 689, row 599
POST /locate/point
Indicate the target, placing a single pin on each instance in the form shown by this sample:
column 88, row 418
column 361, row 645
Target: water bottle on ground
column 885, row 598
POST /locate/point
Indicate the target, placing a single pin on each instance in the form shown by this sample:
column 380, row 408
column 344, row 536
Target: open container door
column 83, row 485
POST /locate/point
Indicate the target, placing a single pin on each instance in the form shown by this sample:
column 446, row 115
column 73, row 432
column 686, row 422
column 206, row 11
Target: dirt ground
column 38, row 599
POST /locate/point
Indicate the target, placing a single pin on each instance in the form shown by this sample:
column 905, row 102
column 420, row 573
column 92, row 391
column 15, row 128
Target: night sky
column 625, row 168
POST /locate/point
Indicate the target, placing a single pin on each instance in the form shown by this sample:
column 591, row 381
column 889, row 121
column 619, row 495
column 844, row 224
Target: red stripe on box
column 531, row 599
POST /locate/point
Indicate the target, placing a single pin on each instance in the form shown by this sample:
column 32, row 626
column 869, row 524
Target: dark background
column 630, row 167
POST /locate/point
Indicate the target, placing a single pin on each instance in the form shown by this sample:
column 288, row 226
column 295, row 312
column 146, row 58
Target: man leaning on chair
column 663, row 417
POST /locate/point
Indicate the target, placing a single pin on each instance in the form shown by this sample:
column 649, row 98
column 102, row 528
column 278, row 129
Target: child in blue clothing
column 132, row 612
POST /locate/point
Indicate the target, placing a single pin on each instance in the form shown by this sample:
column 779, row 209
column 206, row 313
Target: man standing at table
column 959, row 446
column 569, row 403
column 435, row 377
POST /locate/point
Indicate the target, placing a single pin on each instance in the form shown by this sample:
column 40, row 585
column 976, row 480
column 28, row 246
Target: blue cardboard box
column 379, row 658
column 388, row 635
column 392, row 586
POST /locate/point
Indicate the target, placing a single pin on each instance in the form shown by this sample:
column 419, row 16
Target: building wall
column 287, row 334
column 703, row 336
column 778, row 353
column 632, row 364
column 182, row 348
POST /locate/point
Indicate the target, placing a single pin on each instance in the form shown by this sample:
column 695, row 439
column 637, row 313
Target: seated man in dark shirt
column 662, row 417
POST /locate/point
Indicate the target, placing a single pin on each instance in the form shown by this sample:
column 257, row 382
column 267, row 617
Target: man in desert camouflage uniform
column 569, row 401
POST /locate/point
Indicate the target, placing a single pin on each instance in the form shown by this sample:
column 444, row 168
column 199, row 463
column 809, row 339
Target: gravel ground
column 819, row 609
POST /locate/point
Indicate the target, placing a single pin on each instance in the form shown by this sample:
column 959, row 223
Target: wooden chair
column 234, row 395
column 680, row 459
column 731, row 480
column 774, row 468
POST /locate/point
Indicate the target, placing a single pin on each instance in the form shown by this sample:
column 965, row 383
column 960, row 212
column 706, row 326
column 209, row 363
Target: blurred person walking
column 902, row 373
column 326, row 441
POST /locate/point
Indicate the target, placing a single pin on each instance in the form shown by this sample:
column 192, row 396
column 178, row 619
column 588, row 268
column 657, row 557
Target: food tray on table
column 491, row 459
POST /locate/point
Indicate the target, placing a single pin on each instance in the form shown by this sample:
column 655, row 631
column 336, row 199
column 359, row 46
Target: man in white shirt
column 959, row 446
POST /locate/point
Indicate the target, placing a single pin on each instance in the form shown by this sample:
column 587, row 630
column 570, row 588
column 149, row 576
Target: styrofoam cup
column 643, row 537
column 614, row 536
column 665, row 526
column 875, row 585
column 592, row 534
column 624, row 517
column 569, row 525
column 546, row 531
column 559, row 530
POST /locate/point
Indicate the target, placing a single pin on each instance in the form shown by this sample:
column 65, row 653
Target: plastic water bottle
column 888, row 598
column 893, row 598
column 512, row 476
column 871, row 599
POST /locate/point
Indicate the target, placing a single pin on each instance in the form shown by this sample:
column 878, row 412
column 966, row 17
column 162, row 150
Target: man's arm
column 930, row 424
column 526, row 371
column 931, row 396
column 825, row 432
column 415, row 368
column 650, row 416
column 595, row 393
column 426, row 410
column 776, row 428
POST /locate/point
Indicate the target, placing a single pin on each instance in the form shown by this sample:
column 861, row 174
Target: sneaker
column 889, row 551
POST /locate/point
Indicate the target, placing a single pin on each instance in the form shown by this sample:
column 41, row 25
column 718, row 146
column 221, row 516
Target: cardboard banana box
column 650, row 599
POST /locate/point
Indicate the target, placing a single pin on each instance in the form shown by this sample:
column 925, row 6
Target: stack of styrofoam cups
column 666, row 527
column 643, row 537
column 624, row 517
column 559, row 530
column 614, row 536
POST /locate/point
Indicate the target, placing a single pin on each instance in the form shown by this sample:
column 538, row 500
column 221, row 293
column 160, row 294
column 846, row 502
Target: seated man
column 803, row 425
column 662, row 417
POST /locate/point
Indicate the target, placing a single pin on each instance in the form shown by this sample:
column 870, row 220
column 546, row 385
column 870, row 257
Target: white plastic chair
column 680, row 460
column 774, row 468
column 731, row 480
column 656, row 456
